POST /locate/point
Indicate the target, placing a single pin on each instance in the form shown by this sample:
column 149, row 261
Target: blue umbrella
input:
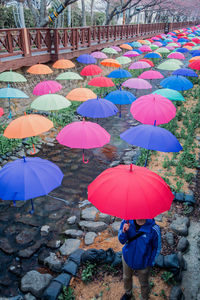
column 11, row 93
column 27, row 178
column 97, row 108
column 185, row 72
column 138, row 51
column 86, row 59
column 182, row 40
column 195, row 52
column 120, row 73
column 152, row 55
column 178, row 83
column 182, row 50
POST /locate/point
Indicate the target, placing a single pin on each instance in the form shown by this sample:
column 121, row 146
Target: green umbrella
column 69, row 76
column 196, row 48
column 147, row 42
column 50, row 102
column 173, row 45
column 109, row 51
column 154, row 47
column 11, row 76
column 170, row 94
column 123, row 60
column 162, row 50
column 169, row 65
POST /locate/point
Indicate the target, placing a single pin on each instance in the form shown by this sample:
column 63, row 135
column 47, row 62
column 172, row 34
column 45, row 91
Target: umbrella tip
column 24, row 158
column 131, row 168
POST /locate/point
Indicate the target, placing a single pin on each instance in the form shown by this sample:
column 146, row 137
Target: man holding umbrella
column 142, row 241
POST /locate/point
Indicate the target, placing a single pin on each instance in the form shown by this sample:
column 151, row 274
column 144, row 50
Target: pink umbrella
column 155, row 38
column 131, row 53
column 153, row 108
column 139, row 65
column 83, row 135
column 145, row 48
column 46, row 87
column 99, row 55
column 137, row 83
column 118, row 49
column 176, row 55
column 159, row 44
column 151, row 75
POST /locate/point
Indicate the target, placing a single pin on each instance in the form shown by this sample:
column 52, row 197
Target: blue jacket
column 141, row 252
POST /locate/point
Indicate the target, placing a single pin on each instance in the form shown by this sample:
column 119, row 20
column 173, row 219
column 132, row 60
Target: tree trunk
column 69, row 16
column 83, row 13
column 92, row 12
column 21, row 14
column 107, row 12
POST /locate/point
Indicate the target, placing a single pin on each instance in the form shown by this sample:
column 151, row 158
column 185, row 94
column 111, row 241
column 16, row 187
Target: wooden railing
column 22, row 47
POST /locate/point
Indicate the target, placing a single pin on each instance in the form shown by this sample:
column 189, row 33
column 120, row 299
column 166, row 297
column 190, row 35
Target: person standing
column 142, row 239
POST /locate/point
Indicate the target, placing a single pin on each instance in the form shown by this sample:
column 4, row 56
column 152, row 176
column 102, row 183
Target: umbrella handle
column 85, row 161
column 32, row 207
column 34, row 151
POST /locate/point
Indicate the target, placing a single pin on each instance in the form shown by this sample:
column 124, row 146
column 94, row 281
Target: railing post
column 99, row 34
column 26, row 42
column 89, row 36
column 56, row 41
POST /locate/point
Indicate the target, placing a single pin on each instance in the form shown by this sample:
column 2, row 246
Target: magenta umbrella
column 47, row 87
column 99, row 55
column 118, row 49
column 150, row 110
column 139, row 65
column 131, row 53
column 159, row 44
column 83, row 135
column 145, row 48
column 151, row 75
column 137, row 83
column 176, row 55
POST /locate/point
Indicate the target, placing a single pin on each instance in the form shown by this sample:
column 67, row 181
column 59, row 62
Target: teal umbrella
column 170, row 94
column 50, row 102
column 69, row 76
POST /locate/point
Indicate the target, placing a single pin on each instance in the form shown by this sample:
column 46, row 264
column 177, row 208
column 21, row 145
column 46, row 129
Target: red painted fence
column 27, row 46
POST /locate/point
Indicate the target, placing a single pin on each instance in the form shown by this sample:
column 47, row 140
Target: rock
column 16, row 269
column 45, row 230
column 50, row 144
column 63, row 278
column 104, row 218
column 53, row 262
column 28, row 252
column 29, row 296
column 49, row 140
column 12, row 298
column 89, row 214
column 26, row 236
column 71, row 220
column 176, row 293
column 70, row 267
column 13, row 157
column 89, row 238
column 169, row 238
column 180, row 225
column 54, row 244
column 21, row 153
column 29, row 151
column 69, row 246
column 93, row 226
column 182, row 244
column 5, row 246
column 53, row 290
column 35, row 282
column 84, row 203
column 73, row 233
column 115, row 227
column 114, row 163
column 190, row 198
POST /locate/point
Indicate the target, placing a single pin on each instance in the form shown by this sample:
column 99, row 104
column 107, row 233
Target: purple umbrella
column 97, row 108
column 99, row 55
column 86, row 59
column 118, row 49
column 139, row 65
column 27, row 178
column 131, row 53
column 137, row 83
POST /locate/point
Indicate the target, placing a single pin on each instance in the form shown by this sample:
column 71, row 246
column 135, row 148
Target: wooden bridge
column 27, row 46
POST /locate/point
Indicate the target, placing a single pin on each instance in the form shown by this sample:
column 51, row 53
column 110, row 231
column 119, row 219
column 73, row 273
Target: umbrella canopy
column 1, row 112
column 169, row 65
column 28, row 178
column 170, row 94
column 136, row 44
column 81, row 94
column 91, row 70
column 195, row 65
column 176, row 55
column 195, row 52
column 182, row 50
column 12, row 93
column 130, row 192
column 151, row 75
column 120, row 97
column 39, row 69
column 147, row 61
column 50, row 102
column 27, row 126
column 194, row 58
column 145, row 48
column 150, row 108
column 118, row 49
column 99, row 55
column 63, row 64
column 152, row 55
column 110, row 62
column 119, row 73
column 109, row 51
column 139, row 65
column 46, row 87
column 131, row 54
column 152, row 138
column 185, row 72
column 86, row 59
column 162, row 50
column 126, row 46
column 11, row 76
column 83, row 135
column 101, row 81
column 179, row 83
column 137, row 83
column 123, row 60
column 97, row 108
column 69, row 76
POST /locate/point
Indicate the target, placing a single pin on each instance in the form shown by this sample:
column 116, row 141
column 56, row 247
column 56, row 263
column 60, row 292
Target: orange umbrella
column 126, row 46
column 27, row 126
column 81, row 94
column 194, row 58
column 110, row 62
column 39, row 69
column 63, row 64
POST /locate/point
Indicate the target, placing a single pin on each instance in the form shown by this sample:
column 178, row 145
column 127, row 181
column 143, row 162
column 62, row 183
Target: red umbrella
column 130, row 192
column 91, row 70
column 148, row 61
column 189, row 44
column 195, row 65
column 101, row 82
column 196, row 40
